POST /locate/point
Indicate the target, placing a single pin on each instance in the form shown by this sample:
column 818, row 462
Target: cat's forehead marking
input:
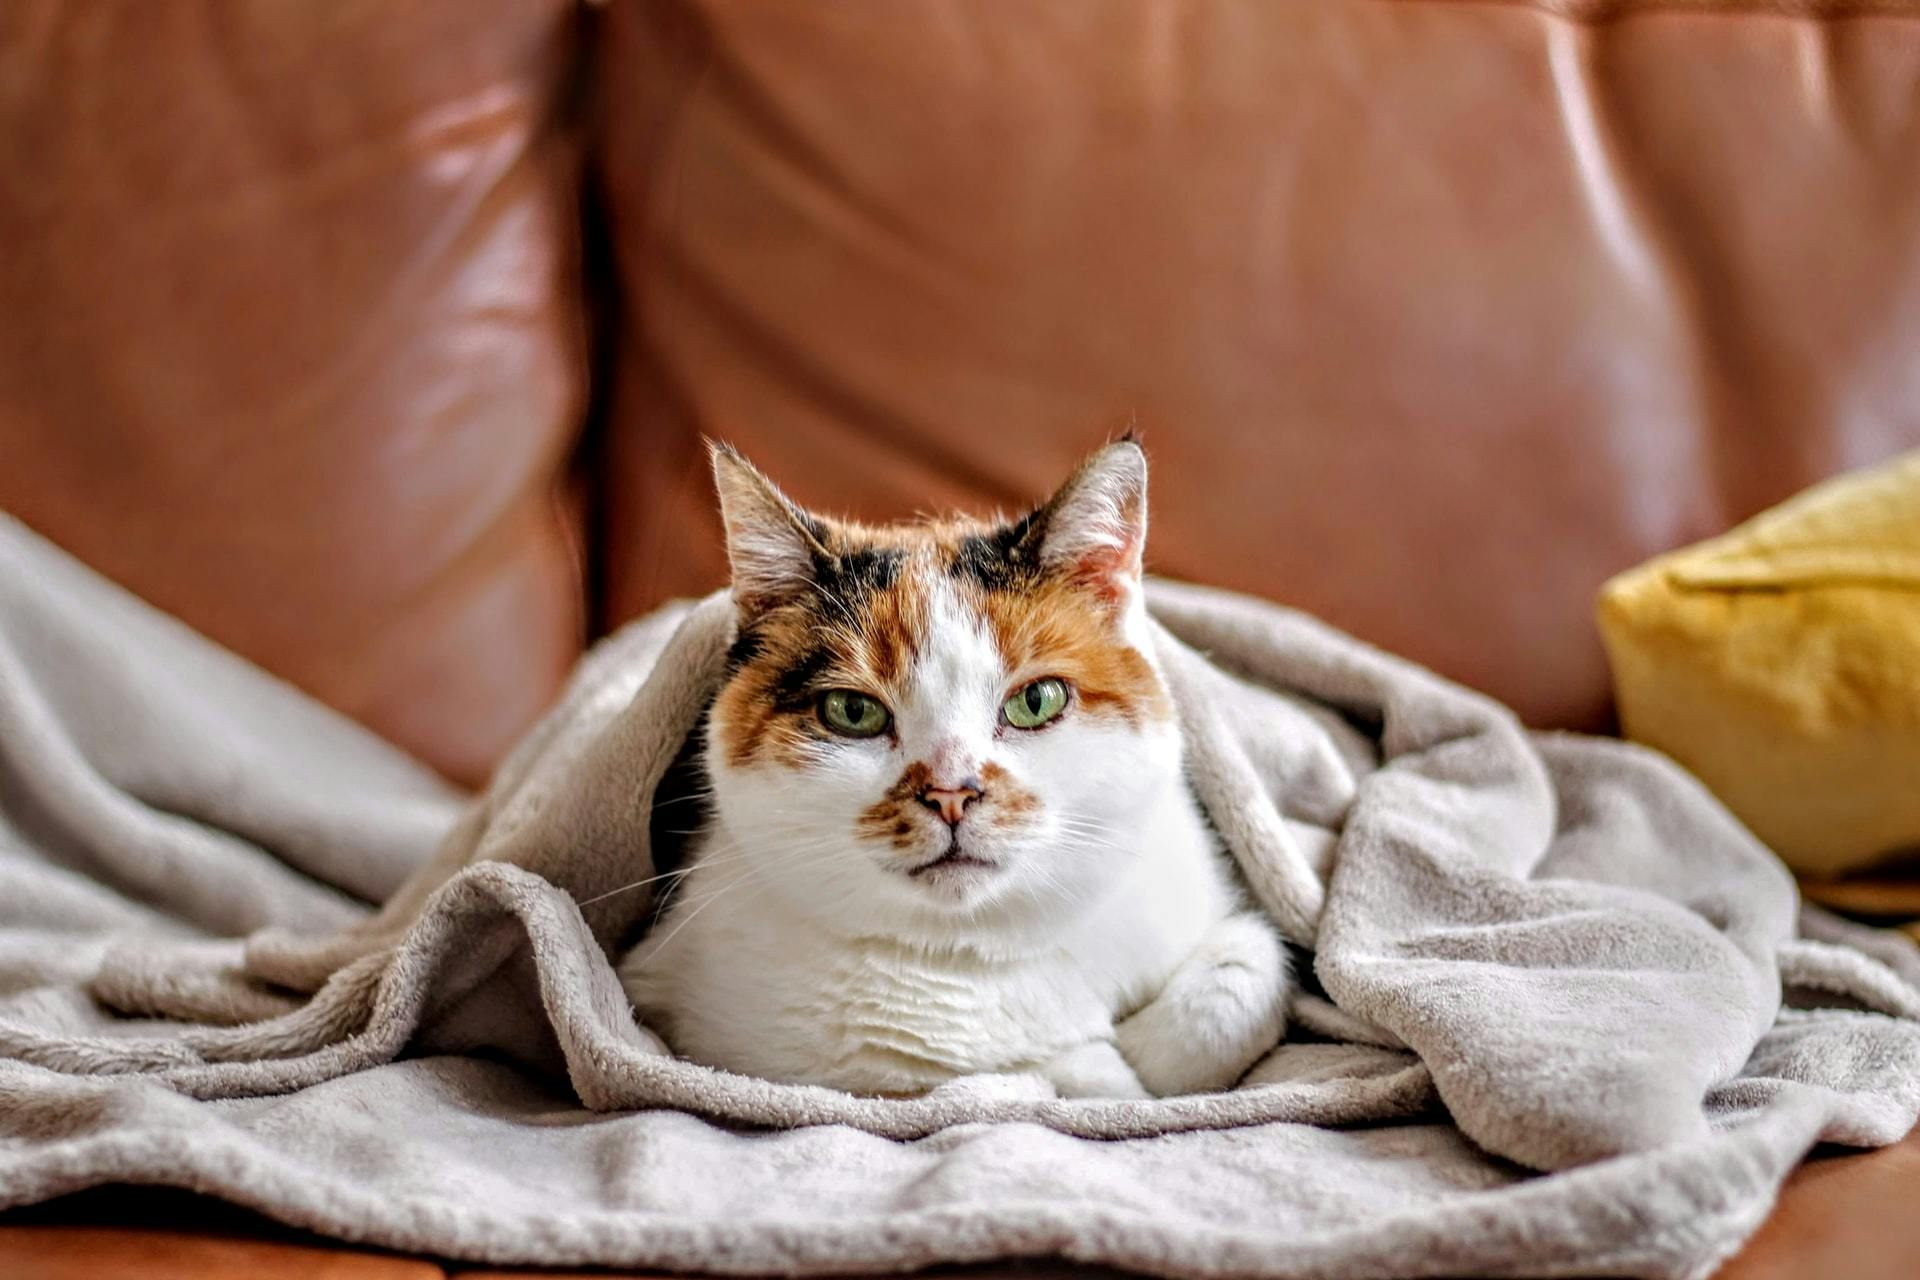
column 993, row 559
column 957, row 656
column 857, row 573
column 887, row 627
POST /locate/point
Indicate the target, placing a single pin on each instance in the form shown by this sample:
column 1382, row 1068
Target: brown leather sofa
column 378, row 341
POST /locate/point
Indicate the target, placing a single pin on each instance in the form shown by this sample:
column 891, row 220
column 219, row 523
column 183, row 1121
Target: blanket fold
column 1538, row 952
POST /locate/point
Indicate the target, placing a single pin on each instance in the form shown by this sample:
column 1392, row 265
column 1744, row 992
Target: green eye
column 1036, row 704
column 853, row 714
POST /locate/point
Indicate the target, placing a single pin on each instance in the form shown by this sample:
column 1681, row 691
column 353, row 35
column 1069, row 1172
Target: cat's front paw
column 1093, row 1070
column 1224, row 1008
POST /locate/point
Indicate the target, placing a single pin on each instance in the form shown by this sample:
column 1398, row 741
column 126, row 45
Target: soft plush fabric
column 1781, row 663
column 1542, row 954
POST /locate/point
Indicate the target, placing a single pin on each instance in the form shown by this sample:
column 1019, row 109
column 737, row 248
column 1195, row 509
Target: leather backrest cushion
column 290, row 336
column 1434, row 315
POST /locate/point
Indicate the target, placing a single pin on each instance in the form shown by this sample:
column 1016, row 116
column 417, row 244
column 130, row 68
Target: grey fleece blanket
column 1548, row 1034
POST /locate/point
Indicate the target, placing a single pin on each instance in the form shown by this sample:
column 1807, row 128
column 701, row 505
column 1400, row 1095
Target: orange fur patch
column 1059, row 628
column 899, row 817
column 1008, row 797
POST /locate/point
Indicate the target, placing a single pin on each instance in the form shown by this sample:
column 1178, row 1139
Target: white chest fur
column 735, row 976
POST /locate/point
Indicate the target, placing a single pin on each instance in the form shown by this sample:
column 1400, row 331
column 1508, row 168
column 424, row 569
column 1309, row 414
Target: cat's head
column 949, row 720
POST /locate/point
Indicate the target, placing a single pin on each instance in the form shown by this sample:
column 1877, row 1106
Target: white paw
column 1093, row 1070
column 1222, row 1010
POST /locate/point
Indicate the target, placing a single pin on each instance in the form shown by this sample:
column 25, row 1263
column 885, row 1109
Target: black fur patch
column 747, row 646
column 794, row 690
column 841, row 587
column 851, row 576
column 1003, row 560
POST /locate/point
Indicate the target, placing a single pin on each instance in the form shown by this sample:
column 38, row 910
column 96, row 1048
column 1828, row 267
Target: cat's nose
column 951, row 802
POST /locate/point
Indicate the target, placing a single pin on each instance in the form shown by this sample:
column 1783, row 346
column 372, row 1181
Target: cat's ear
column 1095, row 528
column 772, row 545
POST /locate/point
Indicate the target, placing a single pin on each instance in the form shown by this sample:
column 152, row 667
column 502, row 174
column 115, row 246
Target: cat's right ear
column 772, row 545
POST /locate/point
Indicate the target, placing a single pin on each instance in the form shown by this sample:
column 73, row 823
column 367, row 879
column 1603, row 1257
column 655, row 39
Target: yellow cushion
column 1781, row 663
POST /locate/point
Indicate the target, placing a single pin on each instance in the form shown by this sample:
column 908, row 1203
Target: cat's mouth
column 952, row 861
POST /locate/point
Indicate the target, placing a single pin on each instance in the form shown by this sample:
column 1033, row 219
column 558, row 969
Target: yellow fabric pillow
column 1781, row 663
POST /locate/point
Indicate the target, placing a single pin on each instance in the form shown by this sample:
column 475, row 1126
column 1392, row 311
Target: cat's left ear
column 1095, row 528
column 772, row 545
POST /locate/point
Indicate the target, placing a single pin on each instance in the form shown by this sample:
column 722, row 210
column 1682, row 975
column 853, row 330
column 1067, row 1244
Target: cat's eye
column 1036, row 704
column 853, row 714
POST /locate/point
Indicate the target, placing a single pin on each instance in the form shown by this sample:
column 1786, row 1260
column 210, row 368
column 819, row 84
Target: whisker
column 778, row 857
column 788, row 858
column 637, row 884
column 688, row 798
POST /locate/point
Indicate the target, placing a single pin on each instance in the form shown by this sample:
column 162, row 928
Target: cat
column 950, row 830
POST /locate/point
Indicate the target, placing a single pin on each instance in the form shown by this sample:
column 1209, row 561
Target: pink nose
column 951, row 802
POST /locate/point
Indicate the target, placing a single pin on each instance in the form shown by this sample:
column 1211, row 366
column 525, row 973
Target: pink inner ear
column 1108, row 570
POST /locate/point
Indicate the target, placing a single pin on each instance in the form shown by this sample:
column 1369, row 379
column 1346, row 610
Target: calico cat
column 950, row 828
